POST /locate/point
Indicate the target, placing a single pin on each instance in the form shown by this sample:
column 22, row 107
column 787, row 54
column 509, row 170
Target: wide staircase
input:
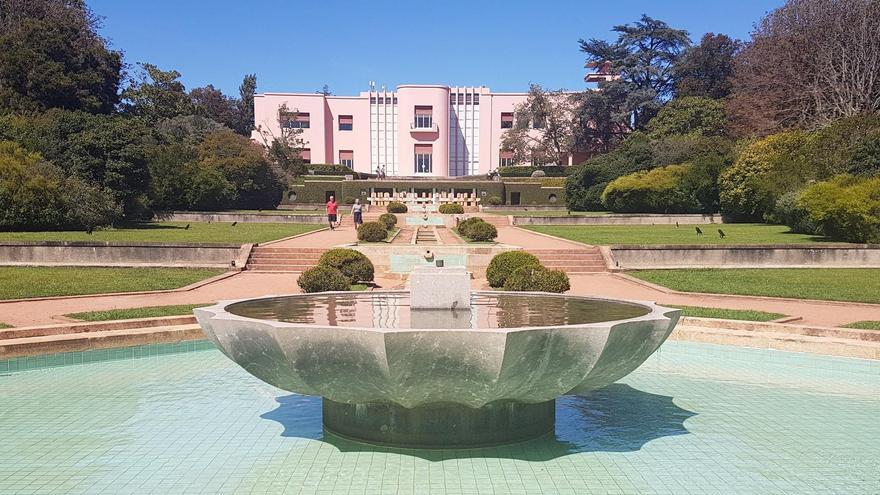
column 584, row 260
column 283, row 259
column 496, row 220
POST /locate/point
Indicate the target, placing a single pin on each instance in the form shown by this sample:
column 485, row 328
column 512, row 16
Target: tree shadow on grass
column 617, row 418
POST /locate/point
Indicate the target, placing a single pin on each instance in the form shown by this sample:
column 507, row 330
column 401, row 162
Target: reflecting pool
column 693, row 419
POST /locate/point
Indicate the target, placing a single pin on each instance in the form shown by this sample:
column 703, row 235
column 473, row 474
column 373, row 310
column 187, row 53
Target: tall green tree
column 246, row 92
column 156, row 95
column 642, row 57
column 705, row 69
column 52, row 57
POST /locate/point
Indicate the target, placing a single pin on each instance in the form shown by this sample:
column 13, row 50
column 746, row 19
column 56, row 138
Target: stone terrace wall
column 68, row 253
column 198, row 216
column 744, row 256
column 620, row 219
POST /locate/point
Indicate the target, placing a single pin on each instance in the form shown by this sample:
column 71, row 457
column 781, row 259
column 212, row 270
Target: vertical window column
column 424, row 159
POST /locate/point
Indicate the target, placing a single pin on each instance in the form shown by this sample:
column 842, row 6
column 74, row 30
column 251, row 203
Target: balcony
column 416, row 127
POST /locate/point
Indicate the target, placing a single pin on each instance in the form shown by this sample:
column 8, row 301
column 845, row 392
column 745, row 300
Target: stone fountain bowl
column 396, row 385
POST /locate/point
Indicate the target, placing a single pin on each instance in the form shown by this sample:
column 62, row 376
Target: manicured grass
column 175, row 232
column 359, row 287
column 5, row 325
column 830, row 284
column 132, row 313
column 864, row 325
column 727, row 314
column 18, row 282
column 550, row 213
column 736, row 233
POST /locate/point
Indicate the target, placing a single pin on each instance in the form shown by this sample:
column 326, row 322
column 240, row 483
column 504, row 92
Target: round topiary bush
column 321, row 279
column 388, row 219
column 353, row 264
column 451, row 209
column 539, row 173
column 555, row 281
column 372, row 232
column 465, row 225
column 492, row 201
column 502, row 265
column 396, row 207
column 526, row 279
column 482, row 232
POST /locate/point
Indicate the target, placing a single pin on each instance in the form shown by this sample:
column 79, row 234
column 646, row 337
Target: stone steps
column 86, row 327
column 586, row 260
column 85, row 341
column 283, row 259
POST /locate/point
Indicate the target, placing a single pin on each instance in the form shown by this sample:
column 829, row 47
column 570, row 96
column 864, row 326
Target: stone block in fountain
column 441, row 366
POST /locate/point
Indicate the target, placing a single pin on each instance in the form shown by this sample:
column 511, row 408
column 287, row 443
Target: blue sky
column 299, row 46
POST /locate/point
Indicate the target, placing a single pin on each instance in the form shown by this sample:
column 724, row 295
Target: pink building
column 417, row 130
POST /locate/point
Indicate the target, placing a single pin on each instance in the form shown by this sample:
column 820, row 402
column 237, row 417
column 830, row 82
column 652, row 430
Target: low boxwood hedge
column 451, row 209
column 538, row 279
column 353, row 264
column 502, row 265
column 372, row 232
column 321, row 279
column 396, row 207
column 388, row 219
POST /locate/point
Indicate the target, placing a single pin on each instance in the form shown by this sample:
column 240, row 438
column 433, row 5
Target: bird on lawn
column 234, row 224
column 676, row 224
column 721, row 234
column 187, row 227
column 699, row 232
column 90, row 231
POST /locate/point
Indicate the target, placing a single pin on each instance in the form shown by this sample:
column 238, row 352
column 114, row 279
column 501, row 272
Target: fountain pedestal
column 440, row 426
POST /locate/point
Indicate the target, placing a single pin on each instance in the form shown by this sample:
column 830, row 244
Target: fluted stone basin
column 390, row 374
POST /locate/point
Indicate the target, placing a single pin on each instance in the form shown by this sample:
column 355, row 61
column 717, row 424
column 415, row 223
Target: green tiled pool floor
column 694, row 419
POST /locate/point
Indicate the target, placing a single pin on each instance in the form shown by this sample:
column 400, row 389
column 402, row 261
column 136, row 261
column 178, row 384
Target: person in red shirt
column 332, row 207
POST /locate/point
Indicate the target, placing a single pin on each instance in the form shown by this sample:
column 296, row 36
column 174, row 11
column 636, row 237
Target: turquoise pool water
column 419, row 220
column 693, row 419
column 404, row 263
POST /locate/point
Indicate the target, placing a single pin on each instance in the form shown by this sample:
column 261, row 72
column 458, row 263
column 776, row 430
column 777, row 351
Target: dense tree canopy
column 705, row 69
column 52, row 57
column 808, row 62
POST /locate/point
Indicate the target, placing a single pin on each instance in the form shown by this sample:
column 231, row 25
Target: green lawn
column 172, row 232
column 5, row 325
column 830, row 284
column 727, row 314
column 736, row 233
column 864, row 325
column 277, row 212
column 551, row 213
column 18, row 282
column 132, row 313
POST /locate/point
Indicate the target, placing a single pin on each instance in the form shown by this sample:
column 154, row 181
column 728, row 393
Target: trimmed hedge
column 451, row 209
column 493, row 201
column 323, row 278
column 388, row 219
column 396, row 207
column 331, row 169
column 537, row 278
column 482, row 232
column 372, row 232
column 526, row 171
column 652, row 191
column 502, row 265
column 353, row 264
column 845, row 208
column 465, row 225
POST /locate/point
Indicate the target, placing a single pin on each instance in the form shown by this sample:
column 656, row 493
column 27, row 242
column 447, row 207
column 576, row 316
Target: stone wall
column 621, row 219
column 200, row 216
column 744, row 256
column 68, row 253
